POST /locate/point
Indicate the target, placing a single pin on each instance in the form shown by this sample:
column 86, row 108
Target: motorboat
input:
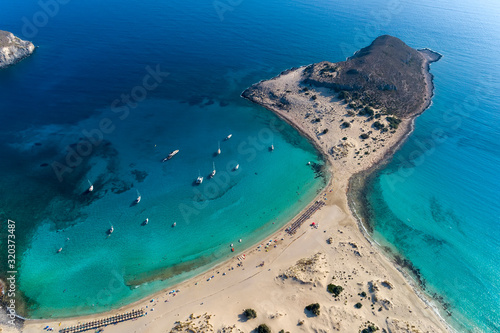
column 172, row 154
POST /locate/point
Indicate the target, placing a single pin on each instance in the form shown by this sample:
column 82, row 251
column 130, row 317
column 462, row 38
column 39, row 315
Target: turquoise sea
column 115, row 86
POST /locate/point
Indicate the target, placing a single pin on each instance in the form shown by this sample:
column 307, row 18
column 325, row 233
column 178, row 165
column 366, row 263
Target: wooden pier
column 292, row 229
column 96, row 324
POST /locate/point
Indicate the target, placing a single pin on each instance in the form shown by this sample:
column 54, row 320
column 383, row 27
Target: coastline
column 202, row 290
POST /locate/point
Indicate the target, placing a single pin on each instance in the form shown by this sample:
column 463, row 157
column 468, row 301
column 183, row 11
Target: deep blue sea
column 114, row 86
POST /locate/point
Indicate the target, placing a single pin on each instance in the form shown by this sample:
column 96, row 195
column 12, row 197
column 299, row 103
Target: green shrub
column 370, row 329
column 250, row 313
column 263, row 329
column 335, row 290
column 393, row 122
column 378, row 125
column 345, row 124
column 313, row 97
column 344, row 94
column 362, row 294
column 358, row 305
column 314, row 308
column 367, row 111
column 325, row 131
column 364, row 136
column 344, row 138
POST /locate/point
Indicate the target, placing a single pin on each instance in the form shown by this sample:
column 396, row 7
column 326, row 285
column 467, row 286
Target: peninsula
column 13, row 49
column 324, row 276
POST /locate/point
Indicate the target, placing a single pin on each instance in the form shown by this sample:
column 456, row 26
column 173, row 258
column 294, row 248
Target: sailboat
column 91, row 188
column 199, row 180
column 228, row 137
column 218, row 150
column 213, row 171
column 236, row 167
column 138, row 198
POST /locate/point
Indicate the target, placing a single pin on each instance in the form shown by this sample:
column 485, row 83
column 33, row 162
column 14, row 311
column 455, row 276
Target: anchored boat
column 172, row 154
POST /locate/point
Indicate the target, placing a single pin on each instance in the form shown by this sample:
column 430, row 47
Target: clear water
column 438, row 207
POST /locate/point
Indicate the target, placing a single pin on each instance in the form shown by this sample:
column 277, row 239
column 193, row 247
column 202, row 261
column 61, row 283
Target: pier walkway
column 96, row 324
column 304, row 217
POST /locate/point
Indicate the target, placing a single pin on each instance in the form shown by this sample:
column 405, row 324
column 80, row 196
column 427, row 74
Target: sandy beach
column 284, row 273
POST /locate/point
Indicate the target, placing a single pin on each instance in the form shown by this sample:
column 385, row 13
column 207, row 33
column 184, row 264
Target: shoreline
column 337, row 205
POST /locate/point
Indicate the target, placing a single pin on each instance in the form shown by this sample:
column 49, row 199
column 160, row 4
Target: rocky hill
column 13, row 49
column 387, row 75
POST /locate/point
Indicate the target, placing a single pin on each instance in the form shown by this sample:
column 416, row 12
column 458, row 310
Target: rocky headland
column 13, row 49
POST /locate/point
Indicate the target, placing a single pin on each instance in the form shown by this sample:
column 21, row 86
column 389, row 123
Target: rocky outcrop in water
column 13, row 49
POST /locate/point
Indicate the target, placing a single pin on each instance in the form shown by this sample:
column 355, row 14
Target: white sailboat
column 218, row 150
column 228, row 137
column 199, row 180
column 213, row 171
column 138, row 198
column 91, row 188
column 236, row 167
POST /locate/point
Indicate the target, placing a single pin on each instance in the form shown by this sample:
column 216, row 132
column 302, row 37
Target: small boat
column 91, row 188
column 174, row 224
column 138, row 198
column 308, row 163
column 218, row 150
column 199, row 180
column 239, row 240
column 212, row 174
column 228, row 137
column 59, row 251
column 271, row 148
column 236, row 167
column 110, row 231
column 172, row 154
column 146, row 221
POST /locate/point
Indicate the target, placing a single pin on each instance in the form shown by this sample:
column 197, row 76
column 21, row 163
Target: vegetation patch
column 393, row 122
column 263, row 328
column 314, row 308
column 250, row 313
column 334, row 290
